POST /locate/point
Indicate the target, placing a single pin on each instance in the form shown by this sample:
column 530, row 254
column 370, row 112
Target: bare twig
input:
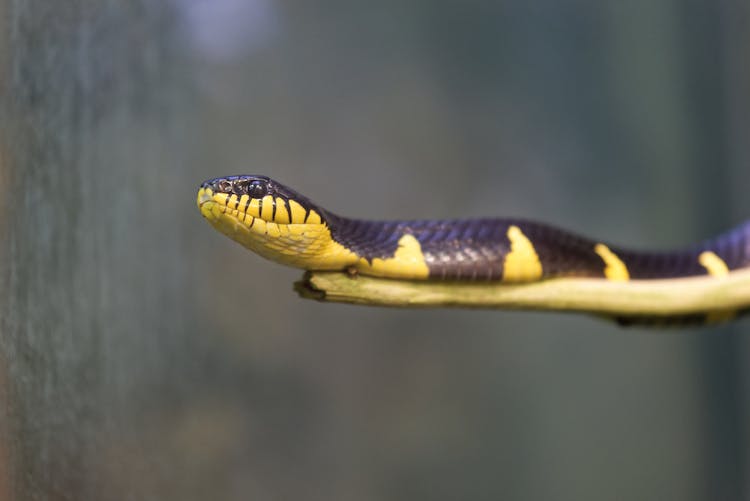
column 639, row 298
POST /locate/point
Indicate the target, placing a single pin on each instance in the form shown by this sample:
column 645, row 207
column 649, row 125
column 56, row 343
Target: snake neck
column 384, row 248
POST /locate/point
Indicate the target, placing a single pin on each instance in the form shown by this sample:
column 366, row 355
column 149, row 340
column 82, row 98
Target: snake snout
column 204, row 195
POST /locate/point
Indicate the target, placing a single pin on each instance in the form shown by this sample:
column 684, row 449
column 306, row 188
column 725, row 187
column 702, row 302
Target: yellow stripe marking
column 242, row 203
column 714, row 265
column 313, row 217
column 298, row 212
column 232, row 201
column 282, row 215
column 221, row 198
column 252, row 209
column 615, row 269
column 407, row 262
column 522, row 262
column 267, row 210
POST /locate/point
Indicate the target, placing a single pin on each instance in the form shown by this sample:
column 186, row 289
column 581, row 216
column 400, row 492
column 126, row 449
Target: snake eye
column 256, row 189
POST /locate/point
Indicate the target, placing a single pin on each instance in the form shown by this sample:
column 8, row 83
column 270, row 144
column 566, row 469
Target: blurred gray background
column 145, row 356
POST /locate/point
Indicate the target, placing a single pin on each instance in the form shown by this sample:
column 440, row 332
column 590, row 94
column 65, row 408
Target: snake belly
column 284, row 226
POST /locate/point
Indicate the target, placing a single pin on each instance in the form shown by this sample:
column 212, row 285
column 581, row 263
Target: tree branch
column 635, row 298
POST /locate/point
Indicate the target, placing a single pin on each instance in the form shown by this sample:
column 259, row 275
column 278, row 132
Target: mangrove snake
column 280, row 224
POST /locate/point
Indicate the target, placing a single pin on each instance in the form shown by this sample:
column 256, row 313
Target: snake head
column 256, row 197
column 275, row 221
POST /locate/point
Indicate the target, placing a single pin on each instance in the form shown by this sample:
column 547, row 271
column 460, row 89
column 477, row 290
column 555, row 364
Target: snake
column 282, row 225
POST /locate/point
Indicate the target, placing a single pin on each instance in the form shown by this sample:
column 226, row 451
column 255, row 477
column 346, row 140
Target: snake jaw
column 272, row 221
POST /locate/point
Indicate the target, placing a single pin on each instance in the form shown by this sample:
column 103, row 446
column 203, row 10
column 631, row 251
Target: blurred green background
column 145, row 356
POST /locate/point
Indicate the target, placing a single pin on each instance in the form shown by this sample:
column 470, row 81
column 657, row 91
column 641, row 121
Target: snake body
column 284, row 226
